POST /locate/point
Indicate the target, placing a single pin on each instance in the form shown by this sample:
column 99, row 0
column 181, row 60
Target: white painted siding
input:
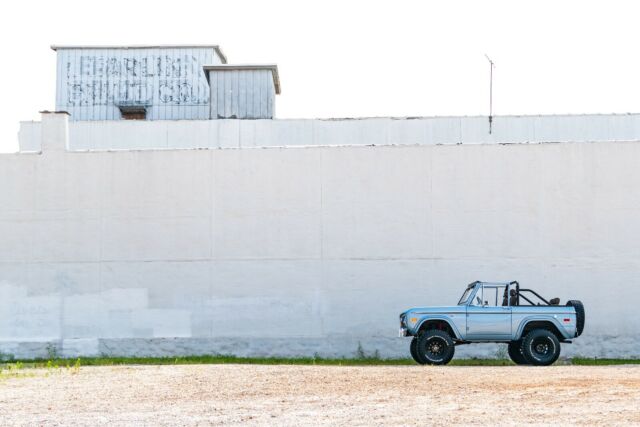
column 91, row 82
column 242, row 94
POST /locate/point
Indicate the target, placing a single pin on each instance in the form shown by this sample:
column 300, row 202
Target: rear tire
column 540, row 347
column 435, row 347
column 515, row 353
column 414, row 352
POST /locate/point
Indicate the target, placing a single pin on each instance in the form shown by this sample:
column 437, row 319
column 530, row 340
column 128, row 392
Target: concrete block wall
column 305, row 251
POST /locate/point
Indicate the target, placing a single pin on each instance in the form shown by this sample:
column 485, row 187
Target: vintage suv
column 494, row 312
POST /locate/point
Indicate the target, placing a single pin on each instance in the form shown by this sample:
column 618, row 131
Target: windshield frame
column 469, row 292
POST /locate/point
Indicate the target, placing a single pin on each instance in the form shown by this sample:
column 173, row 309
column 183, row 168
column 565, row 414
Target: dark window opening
column 131, row 115
column 133, row 112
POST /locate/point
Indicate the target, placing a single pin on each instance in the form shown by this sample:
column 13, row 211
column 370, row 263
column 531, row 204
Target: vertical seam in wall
column 321, row 205
column 433, row 237
column 102, row 175
column 322, row 266
column 212, row 203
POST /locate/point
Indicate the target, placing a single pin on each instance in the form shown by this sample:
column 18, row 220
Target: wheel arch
column 439, row 322
column 541, row 322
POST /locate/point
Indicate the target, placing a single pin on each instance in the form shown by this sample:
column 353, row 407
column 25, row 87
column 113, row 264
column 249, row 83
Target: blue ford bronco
column 487, row 312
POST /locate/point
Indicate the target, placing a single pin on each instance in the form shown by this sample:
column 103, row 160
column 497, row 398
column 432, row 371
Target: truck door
column 487, row 318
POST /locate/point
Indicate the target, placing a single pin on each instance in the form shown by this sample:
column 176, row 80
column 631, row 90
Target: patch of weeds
column 14, row 370
column 52, row 351
column 502, row 353
column 75, row 368
column 362, row 355
column 6, row 357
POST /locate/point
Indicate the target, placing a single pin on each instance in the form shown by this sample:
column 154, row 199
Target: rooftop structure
column 134, row 82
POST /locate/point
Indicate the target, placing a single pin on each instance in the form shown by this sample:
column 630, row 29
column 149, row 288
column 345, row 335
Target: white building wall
column 109, row 135
column 301, row 251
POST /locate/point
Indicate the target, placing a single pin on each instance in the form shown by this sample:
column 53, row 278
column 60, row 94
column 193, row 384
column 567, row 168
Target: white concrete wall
column 312, row 250
column 110, row 135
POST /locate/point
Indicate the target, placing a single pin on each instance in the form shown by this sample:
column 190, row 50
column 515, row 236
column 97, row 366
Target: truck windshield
column 465, row 296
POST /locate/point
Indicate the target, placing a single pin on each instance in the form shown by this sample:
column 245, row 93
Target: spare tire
column 579, row 307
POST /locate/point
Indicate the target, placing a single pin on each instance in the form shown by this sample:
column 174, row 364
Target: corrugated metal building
column 135, row 82
column 243, row 91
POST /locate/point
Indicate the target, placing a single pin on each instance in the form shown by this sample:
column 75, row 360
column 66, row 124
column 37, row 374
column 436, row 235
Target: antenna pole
column 491, row 65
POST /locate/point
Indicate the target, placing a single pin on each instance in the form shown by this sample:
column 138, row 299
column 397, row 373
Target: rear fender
column 542, row 318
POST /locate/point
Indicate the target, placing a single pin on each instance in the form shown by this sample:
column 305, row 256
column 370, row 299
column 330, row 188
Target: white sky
column 355, row 58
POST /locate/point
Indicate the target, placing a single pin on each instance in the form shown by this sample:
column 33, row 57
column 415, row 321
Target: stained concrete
column 301, row 251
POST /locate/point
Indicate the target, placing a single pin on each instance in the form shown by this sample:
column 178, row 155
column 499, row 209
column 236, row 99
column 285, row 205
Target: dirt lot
column 322, row 395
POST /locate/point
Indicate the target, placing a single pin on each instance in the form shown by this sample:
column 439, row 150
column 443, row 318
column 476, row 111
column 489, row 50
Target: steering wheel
column 479, row 300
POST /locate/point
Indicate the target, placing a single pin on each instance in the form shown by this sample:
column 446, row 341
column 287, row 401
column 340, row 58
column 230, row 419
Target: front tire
column 413, row 348
column 515, row 353
column 435, row 347
column 540, row 347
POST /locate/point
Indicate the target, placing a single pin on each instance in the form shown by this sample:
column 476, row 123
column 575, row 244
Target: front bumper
column 403, row 332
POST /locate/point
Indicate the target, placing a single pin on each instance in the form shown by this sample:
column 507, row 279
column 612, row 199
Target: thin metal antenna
column 491, row 67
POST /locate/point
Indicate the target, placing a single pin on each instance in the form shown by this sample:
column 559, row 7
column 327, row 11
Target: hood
column 436, row 310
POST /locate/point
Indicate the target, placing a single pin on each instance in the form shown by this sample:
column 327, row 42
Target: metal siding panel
column 255, row 86
column 208, row 56
column 195, row 89
column 59, row 93
column 226, row 78
column 134, row 76
column 263, row 93
column 220, row 89
column 213, row 97
column 250, row 95
column 202, row 91
column 270, row 97
column 235, row 95
column 242, row 95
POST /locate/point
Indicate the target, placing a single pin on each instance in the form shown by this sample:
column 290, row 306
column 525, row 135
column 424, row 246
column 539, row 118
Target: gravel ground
column 322, row 395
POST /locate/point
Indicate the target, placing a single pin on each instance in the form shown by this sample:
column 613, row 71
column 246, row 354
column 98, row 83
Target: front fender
column 442, row 317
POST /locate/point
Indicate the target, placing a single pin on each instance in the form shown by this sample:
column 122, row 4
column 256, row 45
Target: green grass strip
column 193, row 360
column 596, row 361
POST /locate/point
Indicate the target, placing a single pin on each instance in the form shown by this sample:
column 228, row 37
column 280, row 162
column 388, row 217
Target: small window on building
column 133, row 112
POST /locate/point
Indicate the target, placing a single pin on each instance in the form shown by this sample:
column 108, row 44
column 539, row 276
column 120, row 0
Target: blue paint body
column 481, row 317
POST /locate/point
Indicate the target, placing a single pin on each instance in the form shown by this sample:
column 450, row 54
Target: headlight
column 403, row 316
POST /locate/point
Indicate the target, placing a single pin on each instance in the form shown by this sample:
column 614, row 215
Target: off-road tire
column 414, row 353
column 540, row 347
column 515, row 353
column 580, row 316
column 435, row 347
